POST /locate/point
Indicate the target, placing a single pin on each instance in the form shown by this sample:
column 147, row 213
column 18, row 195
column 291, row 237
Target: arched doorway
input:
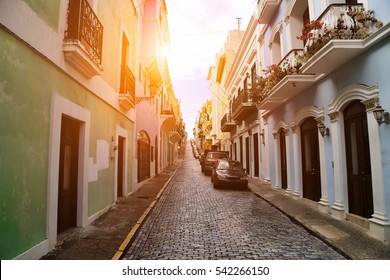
column 360, row 198
column 143, row 155
column 311, row 174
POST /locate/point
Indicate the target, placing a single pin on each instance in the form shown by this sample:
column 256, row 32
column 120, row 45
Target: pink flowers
column 308, row 28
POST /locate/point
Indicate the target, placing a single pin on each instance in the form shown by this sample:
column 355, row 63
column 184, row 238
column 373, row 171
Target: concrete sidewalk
column 109, row 235
column 349, row 239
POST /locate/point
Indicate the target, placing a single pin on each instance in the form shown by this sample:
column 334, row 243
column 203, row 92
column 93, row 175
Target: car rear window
column 226, row 165
column 216, row 155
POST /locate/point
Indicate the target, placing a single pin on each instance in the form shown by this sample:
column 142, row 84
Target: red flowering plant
column 307, row 30
column 352, row 23
column 272, row 75
column 257, row 89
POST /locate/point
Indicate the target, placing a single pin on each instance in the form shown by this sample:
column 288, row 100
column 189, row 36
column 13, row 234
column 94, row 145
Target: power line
column 140, row 4
column 216, row 95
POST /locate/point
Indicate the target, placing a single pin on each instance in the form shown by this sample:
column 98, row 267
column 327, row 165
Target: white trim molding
column 62, row 106
column 281, row 125
column 318, row 115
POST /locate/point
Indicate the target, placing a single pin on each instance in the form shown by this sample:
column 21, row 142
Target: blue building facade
column 323, row 141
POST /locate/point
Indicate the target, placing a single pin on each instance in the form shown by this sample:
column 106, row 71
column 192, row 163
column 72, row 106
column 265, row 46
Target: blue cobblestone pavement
column 192, row 220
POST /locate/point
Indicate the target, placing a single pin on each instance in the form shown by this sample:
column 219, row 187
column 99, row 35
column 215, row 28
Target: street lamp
column 323, row 129
column 153, row 89
column 380, row 115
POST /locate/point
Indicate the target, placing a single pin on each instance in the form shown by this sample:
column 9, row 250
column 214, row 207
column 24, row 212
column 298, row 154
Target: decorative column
column 379, row 223
column 324, row 205
column 339, row 163
column 297, row 190
column 290, row 182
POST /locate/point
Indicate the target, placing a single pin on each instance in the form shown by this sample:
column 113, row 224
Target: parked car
column 229, row 173
column 211, row 159
column 196, row 154
column 202, row 158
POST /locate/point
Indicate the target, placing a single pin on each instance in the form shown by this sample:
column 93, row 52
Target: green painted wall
column 48, row 10
column 27, row 82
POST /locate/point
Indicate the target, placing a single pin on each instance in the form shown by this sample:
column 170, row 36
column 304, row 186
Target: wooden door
column 143, row 156
column 121, row 166
column 247, row 155
column 156, row 156
column 256, row 154
column 241, row 152
column 68, row 174
column 310, row 160
column 360, row 198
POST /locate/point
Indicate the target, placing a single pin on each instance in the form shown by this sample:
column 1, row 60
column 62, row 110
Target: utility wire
column 140, row 4
column 216, row 95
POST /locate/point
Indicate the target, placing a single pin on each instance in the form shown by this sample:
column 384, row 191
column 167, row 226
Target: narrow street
column 192, row 220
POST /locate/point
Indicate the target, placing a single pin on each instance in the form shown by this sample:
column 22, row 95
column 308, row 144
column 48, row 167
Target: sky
column 198, row 30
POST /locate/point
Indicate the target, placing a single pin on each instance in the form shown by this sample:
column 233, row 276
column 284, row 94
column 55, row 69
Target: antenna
column 238, row 22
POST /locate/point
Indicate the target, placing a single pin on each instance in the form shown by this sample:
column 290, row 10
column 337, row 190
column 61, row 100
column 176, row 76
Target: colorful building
column 217, row 76
column 73, row 77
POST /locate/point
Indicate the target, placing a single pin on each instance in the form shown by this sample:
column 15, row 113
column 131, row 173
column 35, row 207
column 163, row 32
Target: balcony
column 167, row 111
column 127, row 89
column 266, row 10
column 83, row 39
column 342, row 43
column 227, row 123
column 242, row 107
column 340, row 34
column 339, row 52
column 288, row 87
column 290, row 59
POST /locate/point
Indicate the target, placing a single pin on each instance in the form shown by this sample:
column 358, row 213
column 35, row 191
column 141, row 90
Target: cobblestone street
column 192, row 220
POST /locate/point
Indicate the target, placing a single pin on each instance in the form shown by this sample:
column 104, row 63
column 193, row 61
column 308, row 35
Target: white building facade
column 325, row 144
column 305, row 105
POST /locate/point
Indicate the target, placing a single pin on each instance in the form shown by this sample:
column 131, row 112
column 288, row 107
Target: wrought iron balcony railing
column 290, row 63
column 167, row 111
column 242, row 106
column 127, row 85
column 227, row 123
column 330, row 16
column 85, row 27
column 242, row 97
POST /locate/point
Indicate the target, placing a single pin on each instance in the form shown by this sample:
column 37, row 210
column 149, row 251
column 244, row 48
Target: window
column 253, row 74
column 125, row 50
